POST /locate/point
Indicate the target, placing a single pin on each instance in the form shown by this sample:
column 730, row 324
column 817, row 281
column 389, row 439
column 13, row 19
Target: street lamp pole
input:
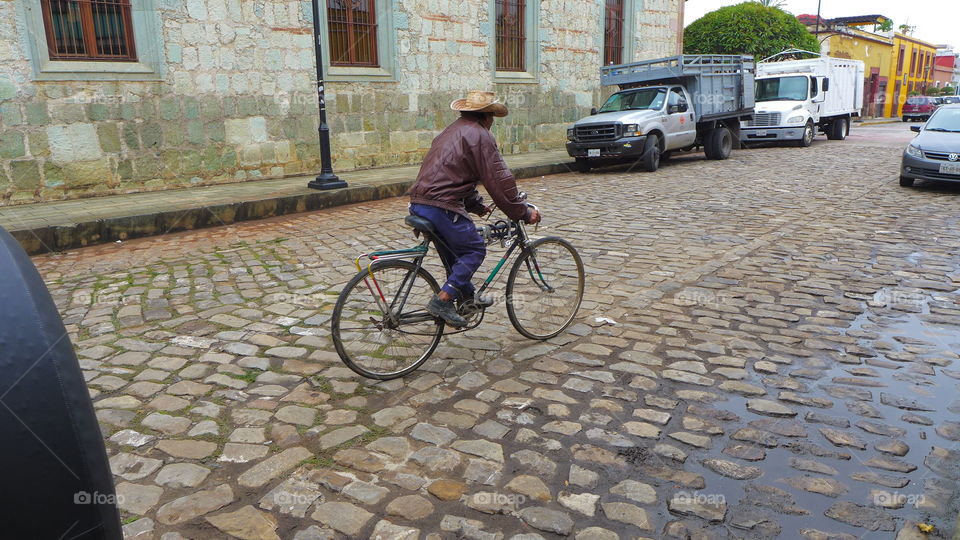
column 326, row 179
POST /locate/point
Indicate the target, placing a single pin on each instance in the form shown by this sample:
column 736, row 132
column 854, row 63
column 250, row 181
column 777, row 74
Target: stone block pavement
column 62, row 225
column 768, row 348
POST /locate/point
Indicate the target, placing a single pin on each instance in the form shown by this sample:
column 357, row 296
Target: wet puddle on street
column 889, row 395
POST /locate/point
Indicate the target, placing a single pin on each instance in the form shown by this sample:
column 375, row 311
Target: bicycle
column 379, row 325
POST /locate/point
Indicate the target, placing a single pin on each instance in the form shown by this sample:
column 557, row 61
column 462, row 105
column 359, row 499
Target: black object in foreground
column 55, row 480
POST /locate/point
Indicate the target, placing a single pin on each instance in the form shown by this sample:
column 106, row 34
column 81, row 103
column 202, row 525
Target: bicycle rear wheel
column 380, row 328
column 545, row 288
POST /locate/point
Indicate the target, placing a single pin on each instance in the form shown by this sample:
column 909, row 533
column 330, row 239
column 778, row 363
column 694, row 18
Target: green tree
column 771, row 3
column 885, row 26
column 949, row 91
column 748, row 28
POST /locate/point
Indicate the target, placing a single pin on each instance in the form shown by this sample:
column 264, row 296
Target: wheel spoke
column 544, row 297
column 386, row 347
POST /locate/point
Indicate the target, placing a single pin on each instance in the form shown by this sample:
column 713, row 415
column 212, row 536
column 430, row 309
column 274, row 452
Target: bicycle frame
column 418, row 254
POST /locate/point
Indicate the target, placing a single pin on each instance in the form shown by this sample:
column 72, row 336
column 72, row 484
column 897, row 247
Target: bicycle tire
column 358, row 286
column 515, row 300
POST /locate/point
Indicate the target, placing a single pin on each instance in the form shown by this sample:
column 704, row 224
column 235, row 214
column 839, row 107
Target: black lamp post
column 326, row 179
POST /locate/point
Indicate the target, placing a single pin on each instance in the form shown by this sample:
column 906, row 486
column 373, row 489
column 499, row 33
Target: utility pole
column 817, row 33
column 326, row 179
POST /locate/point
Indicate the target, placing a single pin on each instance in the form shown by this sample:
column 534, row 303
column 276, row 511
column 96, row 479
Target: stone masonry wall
column 237, row 102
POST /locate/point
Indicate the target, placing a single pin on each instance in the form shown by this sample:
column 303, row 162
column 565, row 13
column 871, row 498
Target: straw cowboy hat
column 478, row 101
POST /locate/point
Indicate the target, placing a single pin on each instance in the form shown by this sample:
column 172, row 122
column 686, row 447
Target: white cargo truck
column 796, row 98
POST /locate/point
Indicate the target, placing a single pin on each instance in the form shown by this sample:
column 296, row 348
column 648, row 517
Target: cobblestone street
column 767, row 348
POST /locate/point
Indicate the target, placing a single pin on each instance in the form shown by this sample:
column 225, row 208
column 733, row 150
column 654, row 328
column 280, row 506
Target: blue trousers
column 461, row 247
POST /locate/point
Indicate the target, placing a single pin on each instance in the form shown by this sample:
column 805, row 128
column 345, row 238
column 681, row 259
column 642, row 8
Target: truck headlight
column 570, row 136
column 795, row 120
column 631, row 130
column 913, row 151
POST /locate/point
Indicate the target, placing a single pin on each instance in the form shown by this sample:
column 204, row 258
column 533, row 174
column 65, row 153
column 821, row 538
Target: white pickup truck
column 666, row 105
column 796, row 98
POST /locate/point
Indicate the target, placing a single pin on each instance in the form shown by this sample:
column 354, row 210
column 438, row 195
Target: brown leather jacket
column 464, row 154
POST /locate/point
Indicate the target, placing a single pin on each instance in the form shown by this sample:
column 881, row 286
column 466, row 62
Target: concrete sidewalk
column 62, row 225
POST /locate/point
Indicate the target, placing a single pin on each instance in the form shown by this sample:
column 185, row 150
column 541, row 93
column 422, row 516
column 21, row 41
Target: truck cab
column 796, row 98
column 621, row 126
column 788, row 107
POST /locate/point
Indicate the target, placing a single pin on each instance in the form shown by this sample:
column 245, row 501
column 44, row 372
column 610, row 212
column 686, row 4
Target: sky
column 936, row 20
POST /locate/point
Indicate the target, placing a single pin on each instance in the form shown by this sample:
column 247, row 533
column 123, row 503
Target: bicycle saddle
column 421, row 225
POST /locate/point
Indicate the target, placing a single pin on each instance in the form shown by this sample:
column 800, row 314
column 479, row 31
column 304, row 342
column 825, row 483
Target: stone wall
column 235, row 101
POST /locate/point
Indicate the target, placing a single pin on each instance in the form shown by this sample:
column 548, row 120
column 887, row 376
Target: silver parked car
column 935, row 153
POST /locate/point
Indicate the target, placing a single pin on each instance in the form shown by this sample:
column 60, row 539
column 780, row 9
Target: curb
column 101, row 231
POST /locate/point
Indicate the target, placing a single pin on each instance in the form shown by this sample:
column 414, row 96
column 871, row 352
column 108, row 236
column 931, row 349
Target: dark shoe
column 446, row 311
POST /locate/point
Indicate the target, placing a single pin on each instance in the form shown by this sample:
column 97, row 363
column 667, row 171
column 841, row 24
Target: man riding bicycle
column 445, row 193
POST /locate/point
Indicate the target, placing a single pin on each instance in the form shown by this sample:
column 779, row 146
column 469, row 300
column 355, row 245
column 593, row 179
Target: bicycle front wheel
column 545, row 288
column 380, row 327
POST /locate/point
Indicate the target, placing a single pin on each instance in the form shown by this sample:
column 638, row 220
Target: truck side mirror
column 682, row 106
column 826, row 84
column 593, row 111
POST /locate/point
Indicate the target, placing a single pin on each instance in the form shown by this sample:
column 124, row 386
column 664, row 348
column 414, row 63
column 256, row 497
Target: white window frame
column 386, row 49
column 531, row 45
column 147, row 36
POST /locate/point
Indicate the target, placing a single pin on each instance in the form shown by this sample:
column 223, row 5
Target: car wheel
column 664, row 156
column 808, row 134
column 650, row 159
column 582, row 165
column 905, row 119
column 906, row 182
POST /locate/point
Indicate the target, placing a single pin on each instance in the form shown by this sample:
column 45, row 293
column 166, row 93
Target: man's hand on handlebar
column 533, row 217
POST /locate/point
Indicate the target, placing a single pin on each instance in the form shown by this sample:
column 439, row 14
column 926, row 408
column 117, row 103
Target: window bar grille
column 352, row 31
column 613, row 38
column 89, row 29
column 511, row 35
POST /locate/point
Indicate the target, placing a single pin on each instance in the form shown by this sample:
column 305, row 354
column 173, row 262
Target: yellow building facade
column 895, row 64
column 910, row 71
column 876, row 53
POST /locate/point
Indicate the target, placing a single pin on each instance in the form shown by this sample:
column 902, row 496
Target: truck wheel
column 809, row 132
column 582, row 165
column 650, row 160
column 719, row 144
column 838, row 130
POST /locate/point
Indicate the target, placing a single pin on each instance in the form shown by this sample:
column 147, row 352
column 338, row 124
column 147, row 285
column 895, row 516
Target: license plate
column 762, row 133
column 950, row 168
column 593, row 152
